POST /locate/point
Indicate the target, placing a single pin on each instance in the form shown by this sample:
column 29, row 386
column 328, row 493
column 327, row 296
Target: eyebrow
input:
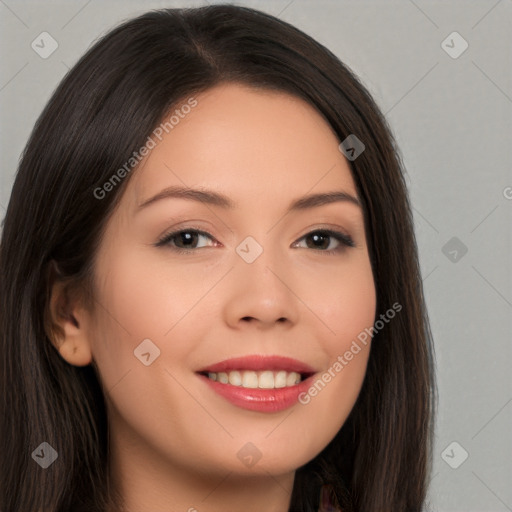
column 217, row 199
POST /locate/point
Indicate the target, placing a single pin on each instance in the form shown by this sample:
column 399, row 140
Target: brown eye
column 186, row 239
column 319, row 240
column 322, row 240
column 183, row 239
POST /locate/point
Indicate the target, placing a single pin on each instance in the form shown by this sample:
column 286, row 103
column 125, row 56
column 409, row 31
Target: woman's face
column 259, row 279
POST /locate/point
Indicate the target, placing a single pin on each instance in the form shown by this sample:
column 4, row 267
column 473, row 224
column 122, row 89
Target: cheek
column 147, row 299
column 346, row 306
column 344, row 300
column 136, row 302
column 140, row 302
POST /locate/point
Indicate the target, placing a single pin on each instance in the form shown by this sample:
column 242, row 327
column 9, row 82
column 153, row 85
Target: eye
column 187, row 239
column 183, row 240
column 322, row 239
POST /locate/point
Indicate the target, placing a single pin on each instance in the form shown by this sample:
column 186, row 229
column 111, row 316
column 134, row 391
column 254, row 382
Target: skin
column 175, row 441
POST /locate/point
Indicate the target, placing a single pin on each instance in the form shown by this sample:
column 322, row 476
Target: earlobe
column 69, row 327
column 77, row 354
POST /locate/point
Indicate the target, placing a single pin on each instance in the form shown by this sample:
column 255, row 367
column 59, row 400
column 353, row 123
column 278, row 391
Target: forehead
column 246, row 143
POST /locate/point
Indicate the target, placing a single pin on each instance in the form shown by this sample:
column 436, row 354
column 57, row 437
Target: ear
column 69, row 326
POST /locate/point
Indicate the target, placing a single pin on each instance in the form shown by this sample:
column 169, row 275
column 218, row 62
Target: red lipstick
column 260, row 363
column 255, row 398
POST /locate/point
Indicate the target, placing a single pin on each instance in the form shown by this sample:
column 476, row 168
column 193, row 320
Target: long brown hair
column 103, row 111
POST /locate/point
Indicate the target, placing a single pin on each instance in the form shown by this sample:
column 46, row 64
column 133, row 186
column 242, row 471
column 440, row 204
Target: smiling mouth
column 250, row 379
column 261, row 383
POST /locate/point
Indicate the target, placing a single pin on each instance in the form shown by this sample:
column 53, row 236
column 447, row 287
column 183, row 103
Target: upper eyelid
column 331, row 230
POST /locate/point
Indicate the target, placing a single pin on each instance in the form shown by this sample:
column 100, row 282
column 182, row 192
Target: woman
column 286, row 362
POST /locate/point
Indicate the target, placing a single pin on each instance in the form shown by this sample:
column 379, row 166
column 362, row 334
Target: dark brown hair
column 103, row 111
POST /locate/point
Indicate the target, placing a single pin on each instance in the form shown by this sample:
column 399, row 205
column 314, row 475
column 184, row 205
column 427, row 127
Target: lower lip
column 257, row 399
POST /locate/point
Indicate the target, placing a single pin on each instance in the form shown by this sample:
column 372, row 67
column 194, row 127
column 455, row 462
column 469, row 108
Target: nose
column 261, row 294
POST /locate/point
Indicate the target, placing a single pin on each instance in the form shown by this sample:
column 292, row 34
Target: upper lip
column 259, row 363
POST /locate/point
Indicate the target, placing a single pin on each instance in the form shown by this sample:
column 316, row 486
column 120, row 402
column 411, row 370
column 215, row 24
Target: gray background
column 452, row 119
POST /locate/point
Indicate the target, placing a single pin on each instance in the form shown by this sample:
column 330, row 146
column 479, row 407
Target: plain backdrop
column 450, row 108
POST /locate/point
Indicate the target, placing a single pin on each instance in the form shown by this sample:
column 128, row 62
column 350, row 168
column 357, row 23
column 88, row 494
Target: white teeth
column 264, row 380
column 250, row 380
column 280, row 380
column 222, row 377
column 291, row 379
column 235, row 378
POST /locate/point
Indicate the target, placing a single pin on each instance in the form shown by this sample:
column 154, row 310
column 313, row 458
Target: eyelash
column 345, row 240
